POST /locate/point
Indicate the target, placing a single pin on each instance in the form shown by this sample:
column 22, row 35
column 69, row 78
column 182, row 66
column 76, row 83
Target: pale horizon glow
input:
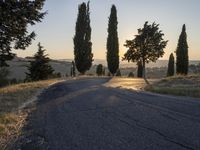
column 57, row 30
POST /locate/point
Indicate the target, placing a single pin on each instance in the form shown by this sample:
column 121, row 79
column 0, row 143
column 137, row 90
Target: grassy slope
column 177, row 85
column 11, row 98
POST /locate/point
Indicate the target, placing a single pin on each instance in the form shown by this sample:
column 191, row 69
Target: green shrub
column 131, row 75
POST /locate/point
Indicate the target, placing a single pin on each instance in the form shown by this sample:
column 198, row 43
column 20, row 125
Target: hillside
column 154, row 70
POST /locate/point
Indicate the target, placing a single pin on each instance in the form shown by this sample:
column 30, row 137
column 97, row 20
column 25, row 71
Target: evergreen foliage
column 73, row 70
column 82, row 40
column 15, row 17
column 39, row 68
column 170, row 71
column 139, row 69
column 112, row 42
column 100, row 70
column 147, row 46
column 131, row 75
column 182, row 61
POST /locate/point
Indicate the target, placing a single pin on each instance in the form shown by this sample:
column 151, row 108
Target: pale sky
column 57, row 30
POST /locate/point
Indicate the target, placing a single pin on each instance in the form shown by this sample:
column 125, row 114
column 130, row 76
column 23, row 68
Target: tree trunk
column 144, row 72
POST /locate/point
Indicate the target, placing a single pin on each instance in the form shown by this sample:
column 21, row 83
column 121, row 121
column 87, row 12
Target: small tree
column 39, row 68
column 182, row 61
column 170, row 71
column 112, row 42
column 15, row 17
column 82, row 40
column 99, row 70
column 73, row 70
column 131, row 75
column 147, row 46
column 118, row 73
column 104, row 71
column 140, row 69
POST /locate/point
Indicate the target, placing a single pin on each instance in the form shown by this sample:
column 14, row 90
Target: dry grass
column 177, row 85
column 10, row 127
column 11, row 98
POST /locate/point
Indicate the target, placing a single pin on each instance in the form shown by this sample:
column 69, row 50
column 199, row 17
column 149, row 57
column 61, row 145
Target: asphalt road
column 85, row 115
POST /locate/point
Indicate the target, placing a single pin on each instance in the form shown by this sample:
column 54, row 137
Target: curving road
column 85, row 115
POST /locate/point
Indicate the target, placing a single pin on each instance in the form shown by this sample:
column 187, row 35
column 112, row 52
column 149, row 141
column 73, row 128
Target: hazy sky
column 57, row 30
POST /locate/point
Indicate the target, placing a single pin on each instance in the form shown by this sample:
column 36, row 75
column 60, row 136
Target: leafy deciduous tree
column 147, row 46
column 15, row 17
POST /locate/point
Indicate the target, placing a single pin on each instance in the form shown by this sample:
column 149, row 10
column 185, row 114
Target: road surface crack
column 157, row 132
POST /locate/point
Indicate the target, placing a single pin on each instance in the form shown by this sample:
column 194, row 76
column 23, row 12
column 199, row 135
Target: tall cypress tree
column 112, row 42
column 170, row 71
column 39, row 68
column 182, row 61
column 82, row 40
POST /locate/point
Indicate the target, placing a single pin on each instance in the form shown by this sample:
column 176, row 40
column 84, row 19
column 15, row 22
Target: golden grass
column 178, row 85
column 11, row 98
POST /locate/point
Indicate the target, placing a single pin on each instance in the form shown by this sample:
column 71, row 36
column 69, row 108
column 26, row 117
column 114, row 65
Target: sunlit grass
column 178, row 85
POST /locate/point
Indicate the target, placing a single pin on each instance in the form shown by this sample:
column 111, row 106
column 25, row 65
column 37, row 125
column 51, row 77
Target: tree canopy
column 15, row 17
column 147, row 46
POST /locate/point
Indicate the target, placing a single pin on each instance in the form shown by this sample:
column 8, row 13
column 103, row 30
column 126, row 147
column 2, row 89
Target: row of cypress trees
column 83, row 55
column 182, row 58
